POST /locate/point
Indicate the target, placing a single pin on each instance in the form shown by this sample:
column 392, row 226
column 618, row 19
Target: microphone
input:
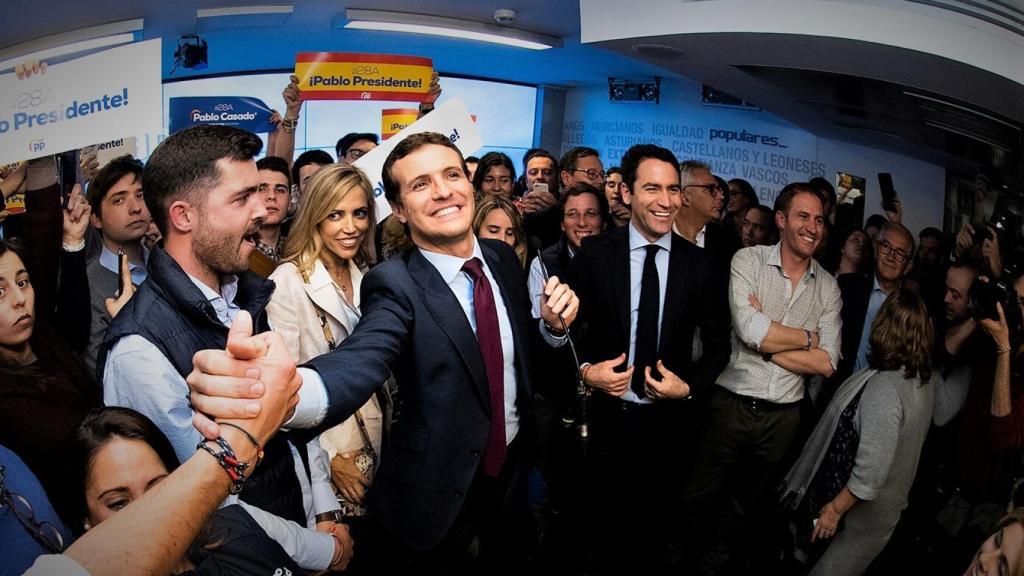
column 582, row 390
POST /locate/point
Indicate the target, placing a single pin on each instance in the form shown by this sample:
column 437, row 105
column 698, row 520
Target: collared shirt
column 109, row 261
column 637, row 256
column 814, row 305
column 698, row 239
column 450, row 268
column 874, row 303
column 223, row 302
column 137, row 375
column 272, row 252
column 313, row 401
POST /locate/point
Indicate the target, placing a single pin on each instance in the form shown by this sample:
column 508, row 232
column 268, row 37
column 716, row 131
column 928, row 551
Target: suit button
column 475, row 452
column 458, row 493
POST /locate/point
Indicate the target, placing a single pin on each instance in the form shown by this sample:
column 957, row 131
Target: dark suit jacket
column 413, row 326
column 721, row 243
column 694, row 297
column 855, row 290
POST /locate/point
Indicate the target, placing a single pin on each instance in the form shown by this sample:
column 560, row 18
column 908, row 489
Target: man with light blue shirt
column 201, row 190
column 119, row 213
column 645, row 295
column 863, row 296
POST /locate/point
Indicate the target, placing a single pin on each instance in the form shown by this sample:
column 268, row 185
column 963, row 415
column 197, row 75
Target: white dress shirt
column 313, row 401
column 637, row 256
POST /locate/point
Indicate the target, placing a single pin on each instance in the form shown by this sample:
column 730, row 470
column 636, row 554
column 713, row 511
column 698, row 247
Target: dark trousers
column 635, row 464
column 747, row 442
column 494, row 515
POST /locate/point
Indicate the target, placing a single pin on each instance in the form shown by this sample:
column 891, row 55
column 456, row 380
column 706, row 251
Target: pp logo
column 366, row 95
column 36, row 145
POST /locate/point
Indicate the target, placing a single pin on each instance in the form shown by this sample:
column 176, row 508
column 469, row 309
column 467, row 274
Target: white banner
column 107, row 151
column 450, row 118
column 95, row 98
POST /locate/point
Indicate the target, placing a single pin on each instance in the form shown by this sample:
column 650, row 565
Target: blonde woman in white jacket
column 316, row 305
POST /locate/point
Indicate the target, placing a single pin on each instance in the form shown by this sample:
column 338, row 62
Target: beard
column 220, row 251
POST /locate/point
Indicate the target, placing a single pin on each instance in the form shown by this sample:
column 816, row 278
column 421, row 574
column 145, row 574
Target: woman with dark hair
column 119, row 454
column 741, row 195
column 851, row 253
column 45, row 388
column 494, row 175
column 850, row 484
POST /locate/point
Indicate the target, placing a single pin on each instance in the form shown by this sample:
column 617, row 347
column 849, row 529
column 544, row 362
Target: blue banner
column 239, row 111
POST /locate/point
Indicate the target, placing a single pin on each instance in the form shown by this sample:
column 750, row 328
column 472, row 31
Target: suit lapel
column 446, row 311
column 321, row 291
column 674, row 287
column 508, row 287
column 619, row 268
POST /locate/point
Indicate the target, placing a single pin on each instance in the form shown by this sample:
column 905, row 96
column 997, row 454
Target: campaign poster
column 91, row 99
column 250, row 114
column 450, row 118
column 348, row 76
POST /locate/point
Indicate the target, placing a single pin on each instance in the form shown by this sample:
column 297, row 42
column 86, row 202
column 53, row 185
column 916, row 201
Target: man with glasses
column 354, row 145
column 580, row 213
column 582, row 164
column 701, row 201
column 863, row 296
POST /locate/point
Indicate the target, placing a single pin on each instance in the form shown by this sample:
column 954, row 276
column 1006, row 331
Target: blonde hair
column 498, row 202
column 328, row 187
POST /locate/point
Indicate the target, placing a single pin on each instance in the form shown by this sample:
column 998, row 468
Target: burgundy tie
column 489, row 339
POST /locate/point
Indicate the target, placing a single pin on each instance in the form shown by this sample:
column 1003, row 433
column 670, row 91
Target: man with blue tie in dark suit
column 643, row 292
column 451, row 320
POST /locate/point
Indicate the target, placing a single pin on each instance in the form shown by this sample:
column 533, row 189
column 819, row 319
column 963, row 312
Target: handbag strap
column 331, row 345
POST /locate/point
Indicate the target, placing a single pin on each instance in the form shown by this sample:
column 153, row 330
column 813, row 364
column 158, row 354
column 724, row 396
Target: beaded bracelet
column 229, row 462
column 252, row 440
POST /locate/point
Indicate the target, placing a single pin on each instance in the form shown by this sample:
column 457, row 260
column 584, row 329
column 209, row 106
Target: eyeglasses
column 587, row 214
column 45, row 533
column 712, row 189
column 355, row 153
column 898, row 254
column 592, row 174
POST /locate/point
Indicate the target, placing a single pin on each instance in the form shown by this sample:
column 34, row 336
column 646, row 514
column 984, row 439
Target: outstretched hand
column 253, row 382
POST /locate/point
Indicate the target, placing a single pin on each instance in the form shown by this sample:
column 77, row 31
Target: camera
column 981, row 302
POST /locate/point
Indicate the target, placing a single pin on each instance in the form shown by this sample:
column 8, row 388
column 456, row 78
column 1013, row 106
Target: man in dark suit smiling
column 451, row 319
column 643, row 292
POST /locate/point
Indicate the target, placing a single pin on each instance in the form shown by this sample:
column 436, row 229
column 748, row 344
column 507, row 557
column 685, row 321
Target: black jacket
column 413, row 325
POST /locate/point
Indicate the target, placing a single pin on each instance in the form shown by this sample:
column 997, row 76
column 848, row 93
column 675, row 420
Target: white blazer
column 292, row 313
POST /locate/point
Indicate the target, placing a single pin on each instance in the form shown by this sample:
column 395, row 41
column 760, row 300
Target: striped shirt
column 813, row 305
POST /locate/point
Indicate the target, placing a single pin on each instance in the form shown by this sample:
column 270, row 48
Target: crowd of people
column 215, row 364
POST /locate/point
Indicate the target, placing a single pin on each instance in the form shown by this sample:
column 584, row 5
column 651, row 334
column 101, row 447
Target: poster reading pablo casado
column 450, row 118
column 96, row 98
column 392, row 120
column 347, row 76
